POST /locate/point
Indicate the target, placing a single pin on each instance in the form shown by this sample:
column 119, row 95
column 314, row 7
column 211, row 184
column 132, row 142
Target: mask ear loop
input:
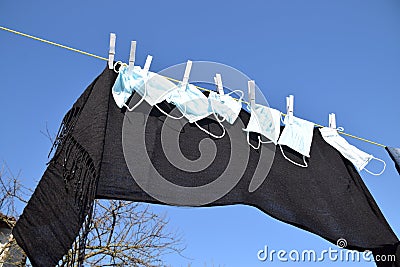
column 141, row 100
column 295, row 163
column 213, row 135
column 237, row 91
column 219, row 122
column 122, row 65
column 264, row 142
column 248, row 142
column 377, row 174
column 170, row 116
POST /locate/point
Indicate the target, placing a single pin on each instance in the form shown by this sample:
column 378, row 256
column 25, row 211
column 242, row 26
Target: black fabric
column 394, row 154
column 57, row 209
column 328, row 198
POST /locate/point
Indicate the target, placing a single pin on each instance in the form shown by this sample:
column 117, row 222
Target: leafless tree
column 121, row 233
column 124, row 233
column 11, row 191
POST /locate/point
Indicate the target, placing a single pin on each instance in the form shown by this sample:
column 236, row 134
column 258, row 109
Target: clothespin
column 147, row 64
column 332, row 120
column 111, row 52
column 218, row 81
column 252, row 93
column 289, row 107
column 132, row 57
column 185, row 80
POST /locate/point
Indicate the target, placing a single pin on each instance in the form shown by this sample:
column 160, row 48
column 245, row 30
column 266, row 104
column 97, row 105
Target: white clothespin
column 111, row 52
column 132, row 57
column 147, row 64
column 185, row 80
column 289, row 107
column 218, row 81
column 332, row 120
column 252, row 93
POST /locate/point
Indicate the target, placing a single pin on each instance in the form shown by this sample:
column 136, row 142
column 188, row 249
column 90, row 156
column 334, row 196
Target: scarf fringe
column 79, row 175
column 76, row 254
column 67, row 125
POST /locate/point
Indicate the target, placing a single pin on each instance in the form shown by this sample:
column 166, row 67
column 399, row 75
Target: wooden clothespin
column 132, row 56
column 186, row 75
column 218, row 82
column 111, row 51
column 252, row 93
column 332, row 120
column 289, row 107
column 147, row 64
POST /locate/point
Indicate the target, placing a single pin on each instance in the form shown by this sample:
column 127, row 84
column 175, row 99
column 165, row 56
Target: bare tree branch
column 121, row 233
column 132, row 234
column 47, row 134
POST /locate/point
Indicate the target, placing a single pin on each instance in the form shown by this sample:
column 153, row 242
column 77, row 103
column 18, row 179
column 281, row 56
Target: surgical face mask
column 359, row 158
column 120, row 91
column 297, row 135
column 265, row 121
column 225, row 106
column 152, row 87
column 194, row 105
column 190, row 101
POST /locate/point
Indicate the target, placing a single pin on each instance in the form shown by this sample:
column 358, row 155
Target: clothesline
column 171, row 79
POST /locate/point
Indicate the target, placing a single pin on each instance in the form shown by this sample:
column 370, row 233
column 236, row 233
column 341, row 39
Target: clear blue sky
column 339, row 56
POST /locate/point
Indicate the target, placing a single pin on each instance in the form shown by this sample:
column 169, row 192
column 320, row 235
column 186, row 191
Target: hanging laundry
column 191, row 102
column 265, row 121
column 297, row 135
column 121, row 91
column 328, row 198
column 359, row 158
column 194, row 105
column 150, row 86
column 65, row 194
column 225, row 106
column 394, row 154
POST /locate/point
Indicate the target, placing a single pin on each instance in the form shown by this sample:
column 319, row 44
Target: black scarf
column 394, row 154
column 328, row 198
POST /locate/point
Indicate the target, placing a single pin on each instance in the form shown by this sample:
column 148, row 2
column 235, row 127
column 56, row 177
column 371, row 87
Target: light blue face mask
column 121, row 89
column 193, row 104
column 225, row 106
column 153, row 88
column 266, row 122
column 297, row 135
column 359, row 158
column 190, row 101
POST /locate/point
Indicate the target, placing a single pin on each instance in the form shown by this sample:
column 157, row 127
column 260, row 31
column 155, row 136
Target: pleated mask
column 225, row 105
column 190, row 101
column 359, row 158
column 265, row 121
column 297, row 135
column 152, row 88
